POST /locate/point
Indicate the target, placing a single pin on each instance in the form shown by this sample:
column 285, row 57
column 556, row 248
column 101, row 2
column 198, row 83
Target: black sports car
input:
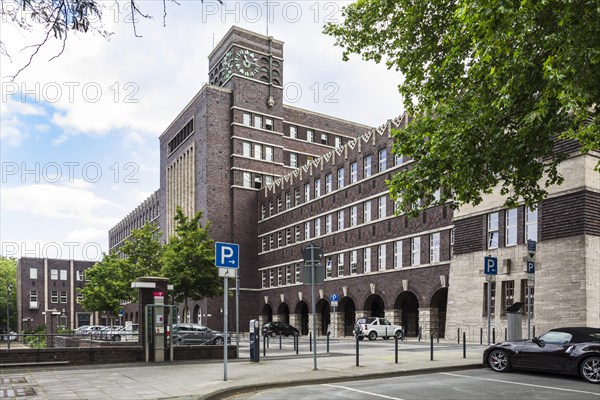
column 573, row 351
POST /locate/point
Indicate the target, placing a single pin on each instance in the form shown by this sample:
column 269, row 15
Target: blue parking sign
column 227, row 255
column 490, row 265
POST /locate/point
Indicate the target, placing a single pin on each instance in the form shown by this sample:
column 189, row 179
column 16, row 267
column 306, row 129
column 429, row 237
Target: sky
column 79, row 133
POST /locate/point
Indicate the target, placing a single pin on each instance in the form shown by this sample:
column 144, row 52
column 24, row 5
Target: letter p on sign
column 226, row 255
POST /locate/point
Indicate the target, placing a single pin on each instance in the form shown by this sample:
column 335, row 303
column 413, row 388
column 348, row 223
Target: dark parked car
column 275, row 328
column 573, row 351
column 196, row 334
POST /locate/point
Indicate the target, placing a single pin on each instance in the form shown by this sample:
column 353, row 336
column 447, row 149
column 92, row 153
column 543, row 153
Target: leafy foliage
column 491, row 86
column 8, row 276
column 189, row 260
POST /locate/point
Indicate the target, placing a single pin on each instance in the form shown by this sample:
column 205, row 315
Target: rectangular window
column 382, row 207
column 269, row 124
column 279, row 239
column 257, row 181
column 279, row 204
column 508, row 295
column 382, row 160
column 247, row 119
column 79, row 298
column 434, row 247
column 268, row 179
column 367, row 166
column 353, row 215
column 338, row 142
column 317, row 188
column 32, row 273
column 340, row 178
column 80, row 276
column 367, row 260
column 298, row 278
column 381, row 254
column 297, row 233
column 317, row 227
column 528, row 300
column 398, row 254
column 288, row 236
column 452, row 242
column 492, row 225
column 257, row 121
column 293, row 160
column 307, row 230
column 531, row 224
column 293, row 131
column 296, row 196
column 54, row 296
column 492, row 299
column 63, row 274
column 63, row 297
column 288, row 274
column 340, row 264
column 306, row 193
column 247, row 179
column 288, row 200
column 310, row 136
column 33, row 295
column 246, row 149
column 257, row 151
column 354, row 172
column 279, row 276
column 54, row 274
column 340, row 220
column 328, row 223
column 328, row 183
column 415, row 257
column 353, row 261
column 398, row 159
column 271, row 243
column 270, row 208
column 268, row 153
column 264, row 244
column 511, row 227
column 264, row 278
column 272, row 277
column 324, row 138
column 329, row 267
column 367, row 211
column 263, row 211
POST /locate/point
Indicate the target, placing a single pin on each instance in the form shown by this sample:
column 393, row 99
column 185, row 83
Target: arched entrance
column 267, row 313
column 374, row 306
column 302, row 310
column 323, row 316
column 439, row 304
column 408, row 305
column 283, row 312
column 347, row 306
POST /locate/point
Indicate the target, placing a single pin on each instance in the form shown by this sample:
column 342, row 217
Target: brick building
column 274, row 178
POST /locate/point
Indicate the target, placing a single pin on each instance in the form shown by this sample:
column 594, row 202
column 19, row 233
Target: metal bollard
column 279, row 340
column 505, row 333
column 419, row 333
column 357, row 347
column 480, row 336
column 437, row 335
column 396, row 349
column 264, row 346
column 458, row 335
column 493, row 335
column 297, row 341
column 464, row 345
column 310, row 341
column 431, row 349
column 328, row 333
column 534, row 331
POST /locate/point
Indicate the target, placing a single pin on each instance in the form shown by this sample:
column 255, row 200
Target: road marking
column 363, row 392
column 523, row 384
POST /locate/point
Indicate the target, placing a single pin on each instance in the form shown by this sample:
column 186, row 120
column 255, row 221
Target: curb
column 250, row 388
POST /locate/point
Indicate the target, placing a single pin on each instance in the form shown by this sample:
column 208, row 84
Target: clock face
column 246, row 62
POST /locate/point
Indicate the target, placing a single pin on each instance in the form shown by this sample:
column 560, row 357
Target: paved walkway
column 205, row 379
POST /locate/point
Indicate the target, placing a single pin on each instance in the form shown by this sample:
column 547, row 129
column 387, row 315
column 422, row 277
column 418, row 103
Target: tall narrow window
column 317, row 227
column 452, row 242
column 293, row 131
column 279, row 276
column 307, row 230
column 398, row 254
column 340, row 219
column 247, row 179
column 328, row 223
column 246, row 149
column 297, row 233
column 340, row 178
column 329, row 267
column 398, row 159
column 288, row 236
column 288, row 200
column 340, row 264
column 415, row 251
column 434, row 247
column 531, row 224
column 80, row 276
column 306, row 193
column 288, row 274
column 511, row 227
column 298, row 277
column 264, row 244
column 367, row 211
column 382, row 207
column 382, row 160
column 310, row 135
column 528, row 300
column 324, row 138
column 32, row 273
column 492, row 225
column 263, row 211
column 257, row 181
column 508, row 295
column 353, row 261
column 317, row 188
column 268, row 153
column 270, row 208
column 271, row 277
column 338, row 142
column 354, row 172
column 279, row 239
column 367, row 166
column 353, row 215
column 269, row 124
column 293, row 160
column 264, row 278
column 328, row 183
column 381, row 255
column 257, row 151
column 257, row 121
column 492, row 299
column 297, row 196
column 247, row 119
column 279, row 204
column 367, row 260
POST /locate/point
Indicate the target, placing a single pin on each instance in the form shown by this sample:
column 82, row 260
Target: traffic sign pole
column 225, row 335
column 314, row 308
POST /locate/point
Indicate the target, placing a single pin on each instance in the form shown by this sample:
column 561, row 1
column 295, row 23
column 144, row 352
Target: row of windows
column 258, row 121
column 180, row 137
column 331, row 182
column 348, row 263
column 258, row 151
column 256, row 181
column 55, row 296
column 56, row 274
column 511, row 227
column 508, row 297
column 311, row 136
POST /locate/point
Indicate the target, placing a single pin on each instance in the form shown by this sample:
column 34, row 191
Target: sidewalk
column 205, row 380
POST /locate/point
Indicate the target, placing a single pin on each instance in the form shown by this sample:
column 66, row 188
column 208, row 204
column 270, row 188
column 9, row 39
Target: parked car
column 115, row 333
column 196, row 334
column 573, row 351
column 373, row 327
column 88, row 330
column 12, row 336
column 276, row 328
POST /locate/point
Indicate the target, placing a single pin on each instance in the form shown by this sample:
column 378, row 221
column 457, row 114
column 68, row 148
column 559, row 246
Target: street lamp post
column 8, row 290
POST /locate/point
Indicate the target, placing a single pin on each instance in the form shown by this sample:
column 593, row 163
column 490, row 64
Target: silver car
column 196, row 334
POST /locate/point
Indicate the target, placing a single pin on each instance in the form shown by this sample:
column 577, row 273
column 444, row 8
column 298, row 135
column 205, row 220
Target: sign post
column 227, row 260
column 312, row 257
column 531, row 250
column 490, row 268
column 334, row 303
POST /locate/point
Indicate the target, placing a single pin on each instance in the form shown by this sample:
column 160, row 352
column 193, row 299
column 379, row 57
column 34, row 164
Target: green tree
column 492, row 86
column 189, row 260
column 8, row 276
column 109, row 281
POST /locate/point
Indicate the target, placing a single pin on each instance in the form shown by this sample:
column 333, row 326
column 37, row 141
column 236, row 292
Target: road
column 478, row 384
